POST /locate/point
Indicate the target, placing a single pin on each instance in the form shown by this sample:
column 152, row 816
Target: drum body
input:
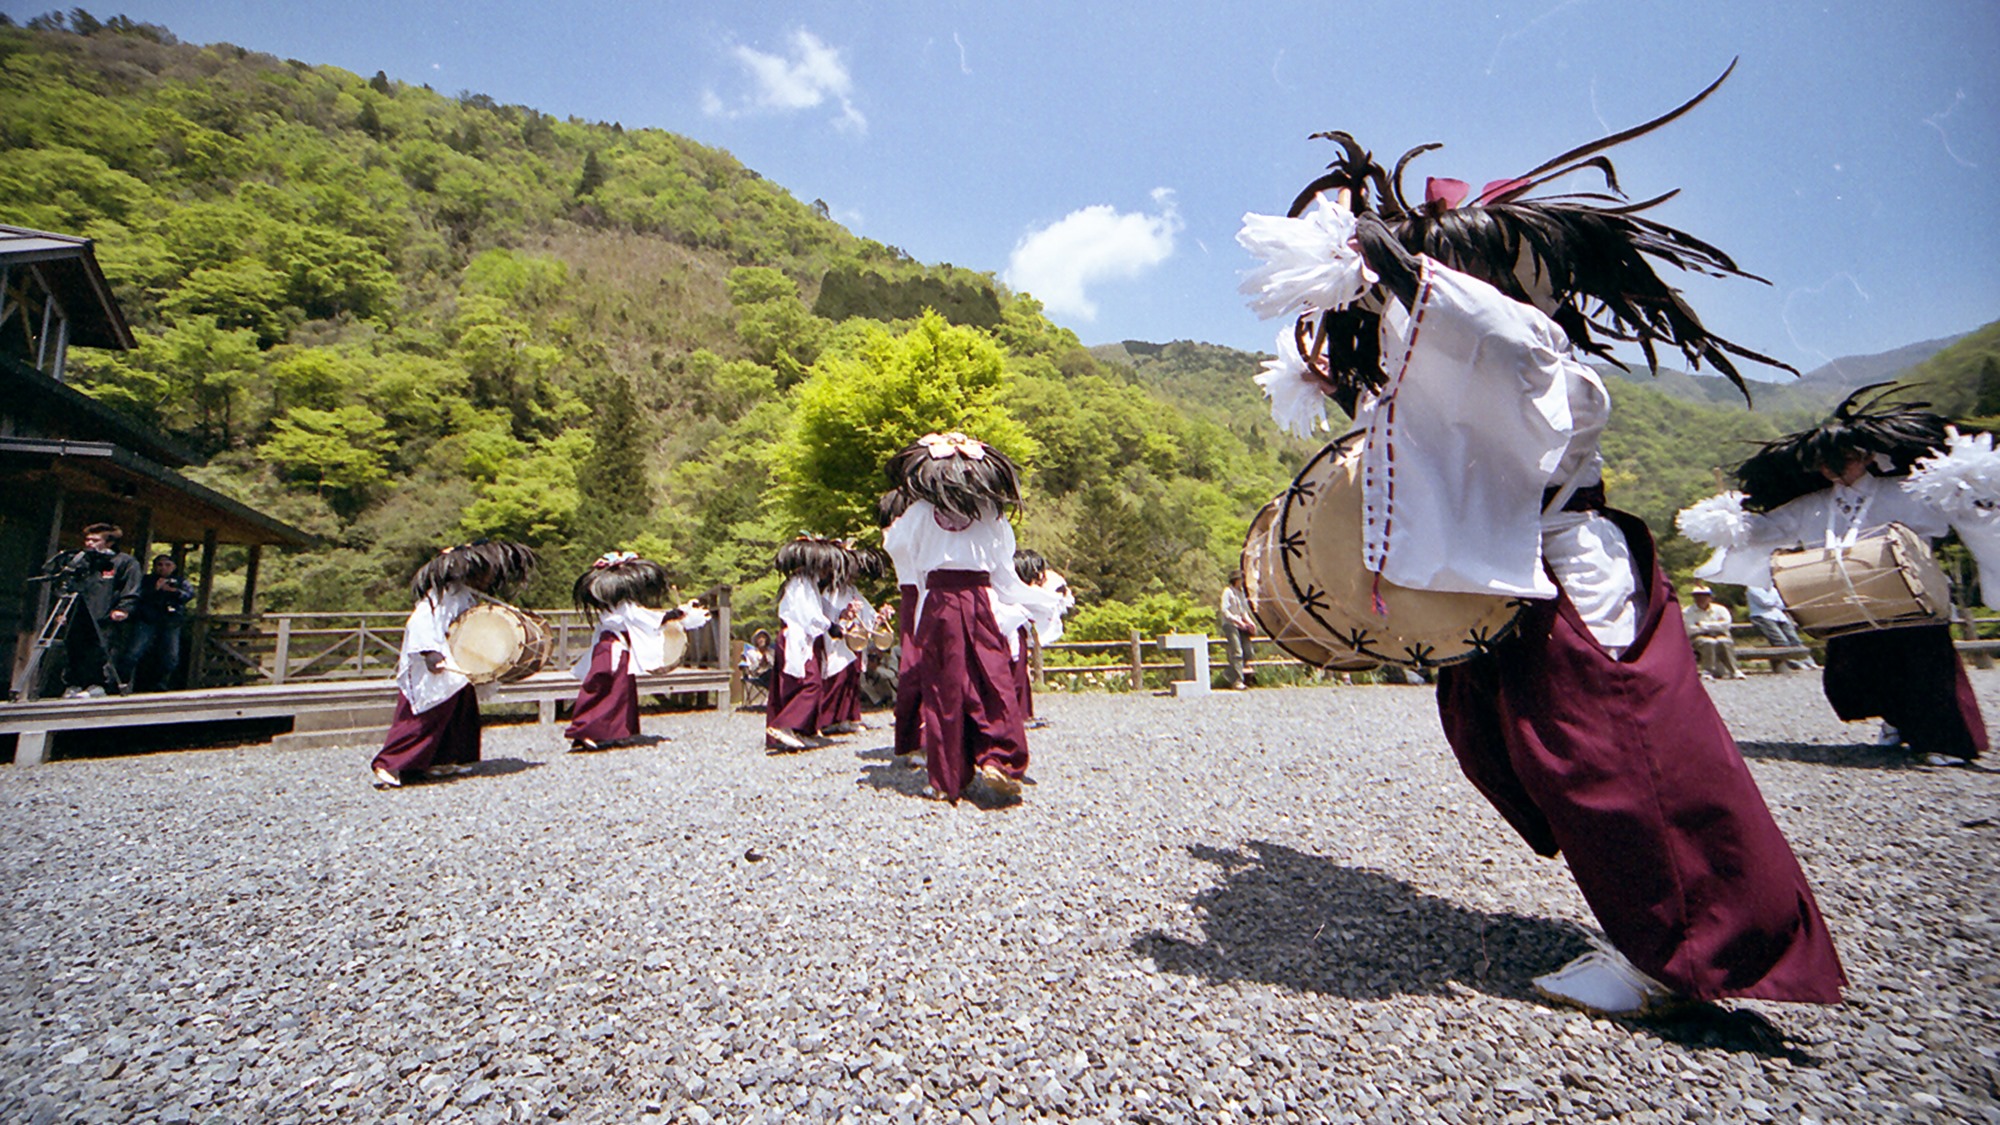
column 1276, row 607
column 494, row 642
column 1317, row 533
column 1885, row 580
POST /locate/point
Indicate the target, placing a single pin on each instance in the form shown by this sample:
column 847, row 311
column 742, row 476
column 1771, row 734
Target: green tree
column 615, row 497
column 592, row 177
column 857, row 409
column 338, row 451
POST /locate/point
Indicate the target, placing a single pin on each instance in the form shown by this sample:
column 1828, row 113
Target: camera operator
column 155, row 628
column 106, row 581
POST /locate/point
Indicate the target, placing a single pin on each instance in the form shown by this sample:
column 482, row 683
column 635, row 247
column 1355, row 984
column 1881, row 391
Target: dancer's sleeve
column 1962, row 484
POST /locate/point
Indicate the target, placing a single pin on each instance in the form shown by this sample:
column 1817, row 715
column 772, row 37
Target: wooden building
column 67, row 460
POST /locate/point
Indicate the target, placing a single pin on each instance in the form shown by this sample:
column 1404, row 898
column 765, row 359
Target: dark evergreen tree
column 1987, row 404
column 593, row 175
column 616, row 498
column 380, row 83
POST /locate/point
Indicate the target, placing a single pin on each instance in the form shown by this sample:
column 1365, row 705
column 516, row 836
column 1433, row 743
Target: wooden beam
column 197, row 662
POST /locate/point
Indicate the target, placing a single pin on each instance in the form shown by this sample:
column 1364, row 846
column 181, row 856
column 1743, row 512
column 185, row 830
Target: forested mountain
column 399, row 318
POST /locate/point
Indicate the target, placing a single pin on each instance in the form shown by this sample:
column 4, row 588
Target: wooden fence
column 292, row 648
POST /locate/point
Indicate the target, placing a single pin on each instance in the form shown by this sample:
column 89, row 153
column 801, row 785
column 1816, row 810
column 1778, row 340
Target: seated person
column 1708, row 627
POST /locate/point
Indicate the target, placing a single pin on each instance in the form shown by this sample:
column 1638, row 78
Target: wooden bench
column 33, row 722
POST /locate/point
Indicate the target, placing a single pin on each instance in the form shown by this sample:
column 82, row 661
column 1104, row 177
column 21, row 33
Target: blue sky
column 1101, row 156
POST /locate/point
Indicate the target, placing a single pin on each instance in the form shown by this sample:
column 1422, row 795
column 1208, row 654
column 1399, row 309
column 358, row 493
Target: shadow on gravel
column 1304, row 922
column 1857, row 756
column 891, row 774
column 499, row 767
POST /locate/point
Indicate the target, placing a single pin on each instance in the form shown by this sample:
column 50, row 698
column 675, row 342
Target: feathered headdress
column 827, row 562
column 1581, row 257
column 490, row 566
column 620, row 576
column 1895, row 436
column 964, row 478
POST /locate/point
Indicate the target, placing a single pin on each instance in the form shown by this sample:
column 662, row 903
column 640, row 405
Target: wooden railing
column 290, row 648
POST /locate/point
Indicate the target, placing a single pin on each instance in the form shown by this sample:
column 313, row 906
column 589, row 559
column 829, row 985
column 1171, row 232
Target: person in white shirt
column 1239, row 628
column 620, row 593
column 1033, row 569
column 853, row 620
column 953, row 543
column 435, row 730
column 1708, row 623
column 1451, row 335
column 1767, row 614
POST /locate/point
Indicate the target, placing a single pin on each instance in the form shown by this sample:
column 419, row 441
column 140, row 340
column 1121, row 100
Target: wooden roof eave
column 156, row 486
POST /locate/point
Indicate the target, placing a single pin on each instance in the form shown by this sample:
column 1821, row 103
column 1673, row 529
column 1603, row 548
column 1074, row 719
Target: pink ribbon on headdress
column 613, row 558
column 1451, row 193
column 942, row 446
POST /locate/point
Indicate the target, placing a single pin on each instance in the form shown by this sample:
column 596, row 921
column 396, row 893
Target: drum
column 855, row 638
column 1277, row 611
column 494, row 642
column 1319, row 528
column 676, row 638
column 1884, row 580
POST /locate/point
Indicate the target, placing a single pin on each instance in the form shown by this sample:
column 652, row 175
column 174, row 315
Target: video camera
column 73, row 568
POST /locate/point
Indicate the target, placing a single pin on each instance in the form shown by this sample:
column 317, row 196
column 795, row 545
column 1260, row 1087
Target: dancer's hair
column 491, row 566
column 1788, row 468
column 1030, row 566
column 620, row 576
column 938, row 468
column 829, row 563
column 1582, row 257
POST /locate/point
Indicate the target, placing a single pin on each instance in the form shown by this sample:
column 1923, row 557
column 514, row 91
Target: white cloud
column 1097, row 243
column 811, row 75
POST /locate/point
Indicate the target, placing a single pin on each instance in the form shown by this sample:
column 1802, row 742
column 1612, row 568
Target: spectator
column 1708, row 626
column 1767, row 613
column 156, row 628
column 106, row 581
column 1233, row 618
column 756, row 665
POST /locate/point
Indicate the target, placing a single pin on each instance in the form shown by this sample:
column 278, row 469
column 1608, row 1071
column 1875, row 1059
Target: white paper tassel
column 693, row 616
column 1308, row 264
column 1296, row 404
column 1718, row 521
column 1963, row 482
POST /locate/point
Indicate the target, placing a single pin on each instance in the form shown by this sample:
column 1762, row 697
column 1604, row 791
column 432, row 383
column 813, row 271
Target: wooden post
column 1138, row 663
column 198, row 642
column 1040, row 669
column 250, row 580
column 284, row 657
column 725, row 657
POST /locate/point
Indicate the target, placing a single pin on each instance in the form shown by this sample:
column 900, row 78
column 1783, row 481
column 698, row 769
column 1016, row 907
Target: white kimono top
column 643, row 628
column 1484, row 407
column 425, row 631
column 918, row 544
column 803, row 610
column 833, row 604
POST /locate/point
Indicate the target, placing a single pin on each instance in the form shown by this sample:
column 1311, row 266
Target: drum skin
column 1885, row 580
column 676, row 639
column 498, row 643
column 1321, row 514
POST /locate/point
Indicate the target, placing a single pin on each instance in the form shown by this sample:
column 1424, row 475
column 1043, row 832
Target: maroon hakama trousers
column 1911, row 679
column 1624, row 766
column 794, row 702
column 445, row 735
column 840, row 694
column 909, row 669
column 971, row 715
column 1024, row 680
column 607, row 704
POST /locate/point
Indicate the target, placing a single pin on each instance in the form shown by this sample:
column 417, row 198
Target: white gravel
column 1277, row 905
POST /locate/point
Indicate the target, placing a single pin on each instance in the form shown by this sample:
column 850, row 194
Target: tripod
column 56, row 629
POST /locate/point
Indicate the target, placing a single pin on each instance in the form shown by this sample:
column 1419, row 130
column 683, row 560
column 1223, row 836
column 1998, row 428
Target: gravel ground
column 1277, row 905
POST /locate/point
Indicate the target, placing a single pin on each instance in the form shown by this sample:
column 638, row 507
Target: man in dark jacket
column 106, row 581
column 156, row 628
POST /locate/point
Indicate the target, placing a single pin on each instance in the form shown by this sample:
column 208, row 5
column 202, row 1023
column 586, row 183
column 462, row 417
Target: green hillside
column 398, row 318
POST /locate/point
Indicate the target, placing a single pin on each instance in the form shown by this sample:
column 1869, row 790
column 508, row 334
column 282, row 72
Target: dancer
column 908, row 715
column 436, row 726
column 853, row 617
column 953, row 543
column 1450, row 331
column 620, row 592
column 1031, row 568
column 813, row 567
column 1844, row 479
